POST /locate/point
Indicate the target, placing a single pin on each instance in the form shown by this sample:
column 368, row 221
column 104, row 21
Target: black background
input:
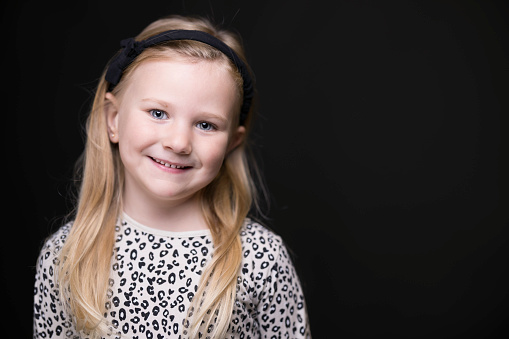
column 383, row 139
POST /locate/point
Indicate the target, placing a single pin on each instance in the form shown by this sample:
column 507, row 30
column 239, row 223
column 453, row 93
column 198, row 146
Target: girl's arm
column 282, row 309
column 50, row 317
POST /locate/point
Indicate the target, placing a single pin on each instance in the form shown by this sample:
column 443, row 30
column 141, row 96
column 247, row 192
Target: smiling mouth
column 169, row 165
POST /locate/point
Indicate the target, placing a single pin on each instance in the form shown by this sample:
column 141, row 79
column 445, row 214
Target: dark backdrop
column 383, row 139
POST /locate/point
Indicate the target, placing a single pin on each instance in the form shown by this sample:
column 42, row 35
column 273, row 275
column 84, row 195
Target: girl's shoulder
column 259, row 237
column 255, row 228
column 54, row 243
column 262, row 249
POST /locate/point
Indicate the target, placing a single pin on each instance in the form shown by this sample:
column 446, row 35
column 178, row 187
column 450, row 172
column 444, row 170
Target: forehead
column 184, row 82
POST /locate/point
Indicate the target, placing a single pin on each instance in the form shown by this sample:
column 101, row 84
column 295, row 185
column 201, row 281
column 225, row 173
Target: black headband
column 132, row 48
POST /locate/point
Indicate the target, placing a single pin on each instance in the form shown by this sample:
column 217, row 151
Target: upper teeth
column 167, row 164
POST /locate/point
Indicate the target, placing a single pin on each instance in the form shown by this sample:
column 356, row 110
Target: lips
column 169, row 164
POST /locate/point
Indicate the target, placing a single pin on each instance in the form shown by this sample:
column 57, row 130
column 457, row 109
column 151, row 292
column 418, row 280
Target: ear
column 111, row 114
column 238, row 136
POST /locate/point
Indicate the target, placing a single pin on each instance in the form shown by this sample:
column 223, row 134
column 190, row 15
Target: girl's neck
column 182, row 217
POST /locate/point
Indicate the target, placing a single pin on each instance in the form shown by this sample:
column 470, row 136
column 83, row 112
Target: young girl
column 161, row 245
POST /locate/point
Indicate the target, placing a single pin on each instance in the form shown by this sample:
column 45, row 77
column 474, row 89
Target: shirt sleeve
column 50, row 317
column 282, row 309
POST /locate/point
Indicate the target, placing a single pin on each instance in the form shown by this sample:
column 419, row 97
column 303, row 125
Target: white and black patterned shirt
column 155, row 273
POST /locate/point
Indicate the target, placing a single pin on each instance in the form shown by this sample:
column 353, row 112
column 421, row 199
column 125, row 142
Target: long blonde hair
column 85, row 259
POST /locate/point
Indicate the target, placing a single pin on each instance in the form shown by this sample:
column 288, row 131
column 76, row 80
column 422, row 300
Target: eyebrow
column 160, row 102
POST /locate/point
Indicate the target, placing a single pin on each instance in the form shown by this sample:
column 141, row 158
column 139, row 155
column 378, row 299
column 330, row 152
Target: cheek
column 133, row 134
column 213, row 154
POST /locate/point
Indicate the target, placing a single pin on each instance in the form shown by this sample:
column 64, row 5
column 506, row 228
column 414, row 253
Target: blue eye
column 158, row 114
column 205, row 126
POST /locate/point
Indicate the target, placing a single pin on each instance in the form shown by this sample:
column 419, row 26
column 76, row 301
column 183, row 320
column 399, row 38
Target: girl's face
column 173, row 126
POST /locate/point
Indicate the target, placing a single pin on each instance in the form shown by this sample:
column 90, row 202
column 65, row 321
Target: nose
column 177, row 138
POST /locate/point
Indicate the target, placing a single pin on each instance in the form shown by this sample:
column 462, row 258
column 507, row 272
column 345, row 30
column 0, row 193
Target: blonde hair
column 85, row 259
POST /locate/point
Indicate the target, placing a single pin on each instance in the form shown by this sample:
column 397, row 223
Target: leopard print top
column 154, row 275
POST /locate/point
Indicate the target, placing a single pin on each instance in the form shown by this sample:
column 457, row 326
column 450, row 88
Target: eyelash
column 212, row 127
column 152, row 111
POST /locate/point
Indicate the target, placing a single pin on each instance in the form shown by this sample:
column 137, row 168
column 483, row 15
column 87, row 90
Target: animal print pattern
column 155, row 275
